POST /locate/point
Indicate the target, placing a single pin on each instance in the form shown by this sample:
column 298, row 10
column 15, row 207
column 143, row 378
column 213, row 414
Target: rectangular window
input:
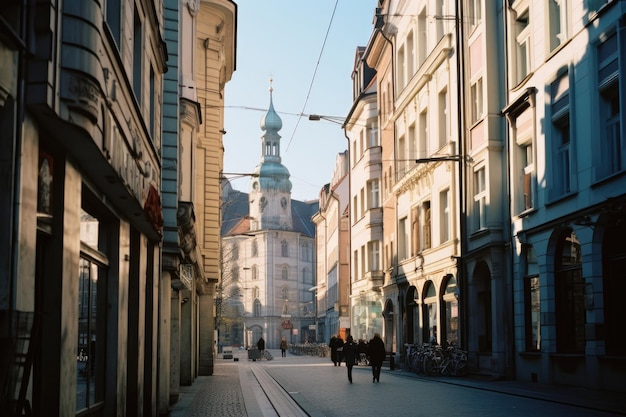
column 373, row 249
column 557, row 23
column 403, row 239
column 532, row 303
column 444, row 216
column 372, row 133
column 363, row 260
column 363, row 202
column 137, row 56
column 422, row 37
column 474, row 13
column 356, row 265
column 401, row 68
column 529, row 168
column 522, row 39
column 415, row 231
column 152, row 110
column 402, row 157
column 444, row 117
column 560, row 113
column 422, row 145
column 426, row 225
column 410, row 56
column 610, row 160
column 477, row 100
column 114, row 20
column 373, row 193
column 480, row 199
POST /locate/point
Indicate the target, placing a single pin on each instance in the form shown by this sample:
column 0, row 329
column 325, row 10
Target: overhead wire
column 332, row 17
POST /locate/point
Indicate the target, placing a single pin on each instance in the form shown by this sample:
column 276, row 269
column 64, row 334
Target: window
column 426, row 226
column 257, row 308
column 415, row 231
column 422, row 30
column 570, row 295
column 255, row 272
column 364, row 268
column 403, row 239
column 356, row 264
column 480, row 199
column 284, row 293
column 92, row 308
column 373, row 194
column 444, row 221
column 560, row 135
column 284, row 249
column 422, row 141
column 255, row 248
column 402, row 157
column 152, row 118
column 372, row 133
column 114, row 20
column 439, row 19
column 444, row 117
column 610, row 159
column 451, row 305
column 137, row 56
column 474, row 13
column 285, row 273
column 401, row 68
column 522, row 46
column 430, row 315
column 477, row 101
column 557, row 23
column 410, row 56
column 363, row 202
column 532, row 304
column 255, row 292
column 373, row 250
column 529, row 167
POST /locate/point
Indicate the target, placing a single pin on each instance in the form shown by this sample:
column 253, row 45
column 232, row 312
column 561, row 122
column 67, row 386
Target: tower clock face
column 283, row 203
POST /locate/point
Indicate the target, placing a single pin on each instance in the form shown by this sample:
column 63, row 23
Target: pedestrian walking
column 335, row 355
column 349, row 355
column 377, row 353
column 261, row 346
column 283, row 347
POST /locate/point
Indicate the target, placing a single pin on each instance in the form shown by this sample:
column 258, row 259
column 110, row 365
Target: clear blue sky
column 311, row 65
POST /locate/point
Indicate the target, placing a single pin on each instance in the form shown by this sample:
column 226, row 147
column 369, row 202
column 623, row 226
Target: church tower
column 270, row 194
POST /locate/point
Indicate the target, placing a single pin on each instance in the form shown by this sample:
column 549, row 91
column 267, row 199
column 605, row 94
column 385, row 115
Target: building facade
column 80, row 276
column 268, row 254
column 566, row 148
column 366, row 221
column 332, row 288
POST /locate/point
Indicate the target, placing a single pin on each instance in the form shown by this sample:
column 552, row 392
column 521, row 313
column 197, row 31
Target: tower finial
column 271, row 81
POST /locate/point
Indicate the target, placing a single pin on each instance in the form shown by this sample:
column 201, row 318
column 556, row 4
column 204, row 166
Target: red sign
column 287, row 324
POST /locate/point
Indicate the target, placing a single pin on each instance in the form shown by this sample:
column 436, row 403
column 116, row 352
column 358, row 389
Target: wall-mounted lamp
column 184, row 300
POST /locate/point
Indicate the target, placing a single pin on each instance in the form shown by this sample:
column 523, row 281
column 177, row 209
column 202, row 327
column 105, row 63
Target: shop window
column 570, row 302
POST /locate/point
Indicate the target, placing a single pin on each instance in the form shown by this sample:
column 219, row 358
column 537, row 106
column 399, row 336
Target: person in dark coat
column 261, row 346
column 350, row 354
column 376, row 348
column 333, row 349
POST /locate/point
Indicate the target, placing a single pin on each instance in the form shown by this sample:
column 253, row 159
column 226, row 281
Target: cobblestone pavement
column 219, row 395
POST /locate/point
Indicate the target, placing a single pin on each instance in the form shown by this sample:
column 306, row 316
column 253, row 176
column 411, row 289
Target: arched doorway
column 450, row 313
column 389, row 336
column 429, row 315
column 412, row 316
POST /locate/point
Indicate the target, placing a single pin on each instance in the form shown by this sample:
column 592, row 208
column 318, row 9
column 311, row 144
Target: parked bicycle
column 433, row 359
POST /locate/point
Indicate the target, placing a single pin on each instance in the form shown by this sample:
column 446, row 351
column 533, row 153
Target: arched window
column 451, row 304
column 255, row 248
column 255, row 272
column 285, row 273
column 284, row 248
column 570, row 294
column 284, row 293
column 255, row 292
column 257, row 308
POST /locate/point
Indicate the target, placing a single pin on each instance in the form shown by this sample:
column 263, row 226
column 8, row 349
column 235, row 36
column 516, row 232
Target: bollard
column 392, row 360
